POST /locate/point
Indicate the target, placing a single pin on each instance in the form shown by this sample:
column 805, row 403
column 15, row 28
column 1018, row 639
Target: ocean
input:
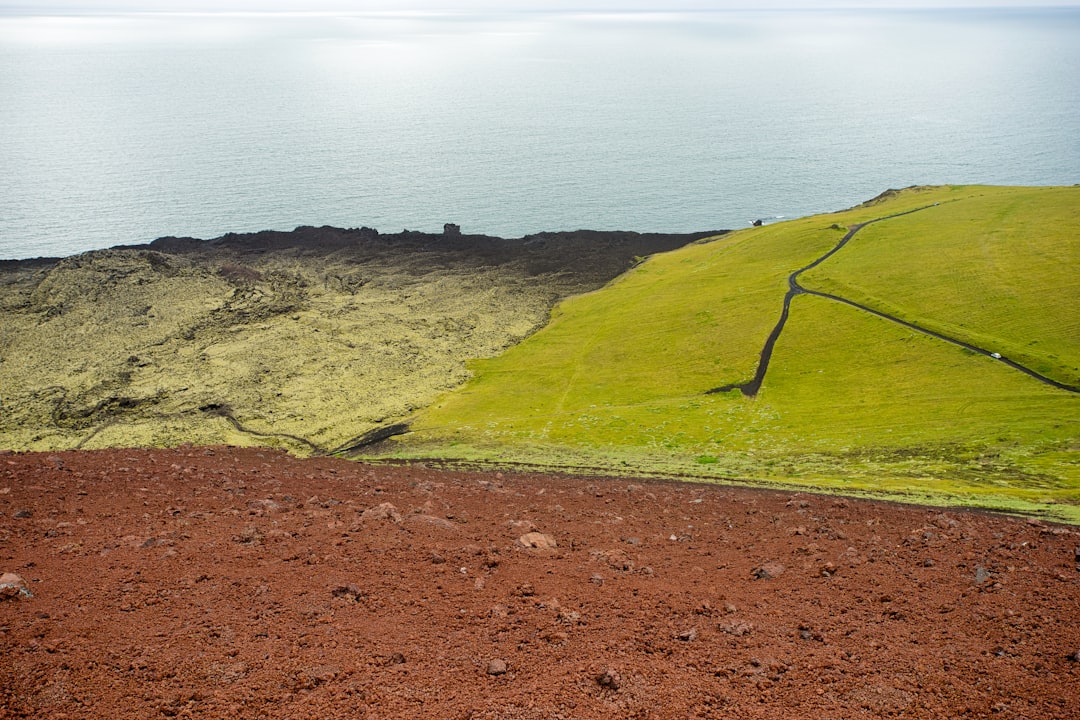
column 121, row 129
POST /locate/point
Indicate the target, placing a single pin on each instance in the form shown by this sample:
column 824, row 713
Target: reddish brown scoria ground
column 225, row 583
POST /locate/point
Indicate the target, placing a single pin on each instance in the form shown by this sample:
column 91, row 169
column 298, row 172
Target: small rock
column 522, row 526
column 262, row 507
column 23, row 514
column 350, row 592
column 250, row 536
column 944, row 522
column 1075, row 657
column 570, row 617
column 615, row 559
column 438, row 522
column 736, row 628
column 308, row 678
column 538, row 541
column 768, row 571
column 496, row 667
column 397, row 659
column 597, row 579
column 524, row 590
column 609, row 679
column 687, row 635
column 383, row 511
column 981, row 575
column 13, row 586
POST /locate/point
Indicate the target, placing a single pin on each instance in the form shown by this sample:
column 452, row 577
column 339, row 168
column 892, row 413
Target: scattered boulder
column 262, row 507
column 311, row 677
column 538, row 541
column 13, row 586
column 944, row 522
column 349, row 592
column 441, row 523
column 383, row 511
column 768, row 571
column 737, row 628
column 522, row 526
column 615, row 559
column 251, row 535
column 609, row 679
column 496, row 667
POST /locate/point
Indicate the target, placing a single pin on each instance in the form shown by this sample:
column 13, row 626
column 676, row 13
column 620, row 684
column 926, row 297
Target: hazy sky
column 48, row 6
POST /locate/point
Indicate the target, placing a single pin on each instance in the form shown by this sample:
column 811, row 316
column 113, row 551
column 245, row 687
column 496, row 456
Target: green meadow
column 618, row 380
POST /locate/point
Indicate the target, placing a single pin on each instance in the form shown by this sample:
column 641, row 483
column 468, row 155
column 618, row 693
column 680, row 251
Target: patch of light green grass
column 852, row 402
column 998, row 270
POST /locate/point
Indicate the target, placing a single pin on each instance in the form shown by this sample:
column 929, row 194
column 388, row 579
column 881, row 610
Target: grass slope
column 998, row 269
column 618, row 378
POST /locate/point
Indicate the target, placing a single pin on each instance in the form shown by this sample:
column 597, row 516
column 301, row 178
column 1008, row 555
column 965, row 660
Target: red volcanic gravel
column 243, row 583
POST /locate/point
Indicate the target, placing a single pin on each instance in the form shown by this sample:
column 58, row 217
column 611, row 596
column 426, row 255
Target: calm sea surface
column 123, row 129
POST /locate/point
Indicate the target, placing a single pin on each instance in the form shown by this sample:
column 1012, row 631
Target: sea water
column 120, row 129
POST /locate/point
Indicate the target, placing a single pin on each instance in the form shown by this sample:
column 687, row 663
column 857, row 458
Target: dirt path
column 223, row 583
column 751, row 388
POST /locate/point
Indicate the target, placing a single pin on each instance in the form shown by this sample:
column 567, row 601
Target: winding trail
column 752, row 387
column 304, row 441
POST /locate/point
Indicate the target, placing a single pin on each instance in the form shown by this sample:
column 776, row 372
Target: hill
column 934, row 356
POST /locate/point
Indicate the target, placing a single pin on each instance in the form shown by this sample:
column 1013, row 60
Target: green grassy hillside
column 619, row 379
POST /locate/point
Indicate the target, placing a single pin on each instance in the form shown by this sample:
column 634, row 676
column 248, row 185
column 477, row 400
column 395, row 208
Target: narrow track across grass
column 752, row 387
